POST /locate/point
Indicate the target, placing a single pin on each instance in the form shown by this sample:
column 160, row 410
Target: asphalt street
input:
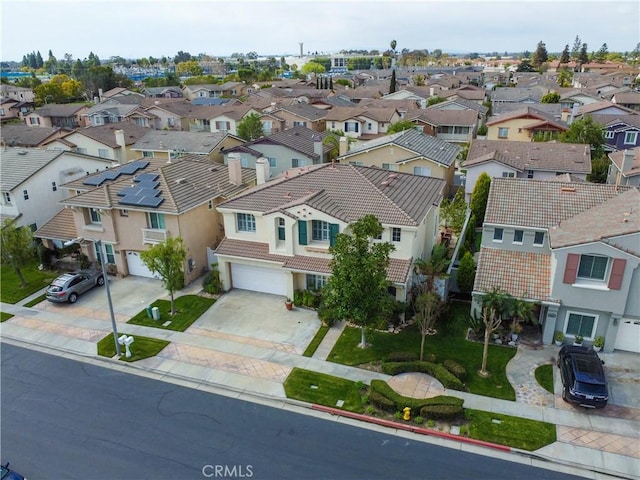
column 63, row 419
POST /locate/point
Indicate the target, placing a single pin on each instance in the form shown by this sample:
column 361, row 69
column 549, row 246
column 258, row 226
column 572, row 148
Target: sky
column 143, row 28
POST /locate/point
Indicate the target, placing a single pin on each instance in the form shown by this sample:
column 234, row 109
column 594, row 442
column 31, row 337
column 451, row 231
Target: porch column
column 549, row 326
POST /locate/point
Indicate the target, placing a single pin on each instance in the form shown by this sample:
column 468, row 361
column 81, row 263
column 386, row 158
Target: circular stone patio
column 416, row 385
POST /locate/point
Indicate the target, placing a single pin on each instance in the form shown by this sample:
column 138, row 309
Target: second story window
column 7, row 197
column 498, row 233
column 245, row 222
column 156, row 221
column 272, row 162
column 94, row 216
column 503, row 132
column 25, row 194
column 518, row 235
column 593, row 267
column 281, row 229
column 103, row 153
column 538, row 239
column 54, row 187
column 147, row 154
column 320, row 231
column 395, row 234
column 508, row 174
column 630, row 138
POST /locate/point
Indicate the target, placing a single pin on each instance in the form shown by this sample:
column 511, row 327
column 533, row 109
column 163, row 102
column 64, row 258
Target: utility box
column 149, row 312
column 155, row 312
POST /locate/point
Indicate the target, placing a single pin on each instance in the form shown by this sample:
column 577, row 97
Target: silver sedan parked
column 68, row 286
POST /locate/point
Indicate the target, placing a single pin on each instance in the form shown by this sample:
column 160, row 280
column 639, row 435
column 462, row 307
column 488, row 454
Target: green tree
column 466, row 275
column 521, row 310
column 16, row 248
column 601, row 55
column 250, row 128
column 400, row 126
column 479, row 197
column 586, row 130
column 454, row 212
column 583, row 56
column 540, row 56
column 190, row 68
column 429, row 307
column 434, row 100
column 332, row 139
column 575, row 50
column 313, row 67
column 492, row 321
column 392, row 84
column 551, row 97
column 525, row 66
column 167, row 260
column 564, row 78
column 357, row 287
column 564, row 57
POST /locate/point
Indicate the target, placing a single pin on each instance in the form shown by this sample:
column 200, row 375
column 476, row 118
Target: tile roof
column 113, row 108
column 625, row 121
column 60, row 110
column 305, row 111
column 618, row 157
column 542, row 204
column 105, row 134
column 339, row 114
column 628, row 98
column 348, row 192
column 602, row 105
column 469, row 104
column 521, row 274
column 517, row 94
column 181, row 141
column 438, row 118
column 397, row 272
column 185, row 183
column 433, row 148
column 620, row 215
column 528, row 112
column 546, row 156
column 300, row 139
column 60, row 227
column 26, row 136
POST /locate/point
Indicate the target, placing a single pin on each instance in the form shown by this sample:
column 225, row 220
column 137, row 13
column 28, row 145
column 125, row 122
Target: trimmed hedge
column 441, row 412
column 439, row 372
column 454, row 367
column 382, row 402
column 382, row 388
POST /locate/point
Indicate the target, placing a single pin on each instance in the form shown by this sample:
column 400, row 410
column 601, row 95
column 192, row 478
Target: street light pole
column 103, row 262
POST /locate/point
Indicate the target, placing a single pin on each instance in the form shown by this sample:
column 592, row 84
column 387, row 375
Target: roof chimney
column 234, row 164
column 122, row 144
column 627, row 160
column 343, row 146
column 317, row 146
column 262, row 170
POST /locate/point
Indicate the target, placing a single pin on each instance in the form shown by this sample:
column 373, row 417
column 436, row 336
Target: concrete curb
column 410, row 428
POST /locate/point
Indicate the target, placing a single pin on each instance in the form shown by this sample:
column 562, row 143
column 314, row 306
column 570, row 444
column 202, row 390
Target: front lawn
column 37, row 300
column 512, row 431
column 317, row 340
column 544, row 376
column 188, row 310
column 142, row 347
column 449, row 343
column 10, row 289
column 4, row 316
column 323, row 389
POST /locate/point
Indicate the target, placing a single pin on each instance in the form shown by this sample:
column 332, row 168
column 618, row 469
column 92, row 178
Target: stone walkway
column 416, row 385
column 521, row 374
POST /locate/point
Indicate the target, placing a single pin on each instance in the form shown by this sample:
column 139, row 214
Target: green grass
column 512, row 431
column 544, row 376
column 330, row 390
column 449, row 343
column 188, row 310
column 4, row 316
column 36, row 300
column 142, row 347
column 317, row 339
column 10, row 289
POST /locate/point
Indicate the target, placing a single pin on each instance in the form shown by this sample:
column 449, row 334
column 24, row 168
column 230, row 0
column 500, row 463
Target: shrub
column 382, row 402
column 441, row 412
column 439, row 372
column 381, row 388
column 419, row 420
column 454, row 367
column 211, row 282
column 398, row 415
column 431, row 423
column 464, row 430
column 370, row 410
column 402, row 357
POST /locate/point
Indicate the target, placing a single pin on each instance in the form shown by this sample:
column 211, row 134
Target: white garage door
column 258, row 279
column 628, row 335
column 137, row 267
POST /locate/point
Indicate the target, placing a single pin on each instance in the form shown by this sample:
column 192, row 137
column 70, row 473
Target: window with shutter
column 302, row 233
column 334, row 229
column 617, row 273
column 571, row 268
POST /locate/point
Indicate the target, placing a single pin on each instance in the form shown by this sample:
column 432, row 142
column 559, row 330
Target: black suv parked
column 583, row 380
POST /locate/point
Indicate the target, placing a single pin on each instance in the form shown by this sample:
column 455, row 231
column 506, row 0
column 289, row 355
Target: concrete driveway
column 242, row 315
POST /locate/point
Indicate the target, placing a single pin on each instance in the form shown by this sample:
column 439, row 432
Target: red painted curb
column 409, row 428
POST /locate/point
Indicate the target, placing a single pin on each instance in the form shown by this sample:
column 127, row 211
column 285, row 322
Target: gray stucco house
column 571, row 248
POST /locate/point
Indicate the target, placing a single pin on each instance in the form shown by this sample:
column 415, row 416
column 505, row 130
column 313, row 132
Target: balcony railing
column 152, row 235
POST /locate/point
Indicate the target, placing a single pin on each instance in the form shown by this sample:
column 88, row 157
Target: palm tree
column 521, row 310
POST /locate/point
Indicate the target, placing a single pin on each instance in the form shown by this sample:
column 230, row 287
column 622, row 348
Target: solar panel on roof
column 146, row 177
column 150, row 185
column 93, row 181
column 128, row 169
column 151, row 201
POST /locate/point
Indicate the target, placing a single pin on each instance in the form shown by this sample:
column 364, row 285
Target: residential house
column 296, row 147
column 171, row 114
column 455, row 126
column 408, row 151
column 517, row 95
column 526, row 124
column 620, row 132
column 112, row 141
column 629, row 99
column 120, row 94
column 603, row 107
column 227, row 89
column 169, row 144
column 362, row 123
column 144, row 202
column 20, row 135
column 461, row 104
column 299, row 115
column 469, row 93
column 579, row 97
column 163, row 92
column 224, row 119
column 625, row 167
column 533, row 160
column 278, row 234
column 578, row 262
column 30, row 180
column 14, row 110
column 68, row 116
column 20, row 94
column 110, row 112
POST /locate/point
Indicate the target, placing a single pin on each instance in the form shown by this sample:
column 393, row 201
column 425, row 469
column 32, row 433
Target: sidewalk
column 254, row 366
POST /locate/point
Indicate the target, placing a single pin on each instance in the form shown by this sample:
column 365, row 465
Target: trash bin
column 149, row 313
column 155, row 312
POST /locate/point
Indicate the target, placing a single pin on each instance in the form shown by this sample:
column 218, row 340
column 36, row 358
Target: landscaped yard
column 188, row 310
column 544, row 376
column 10, row 289
column 449, row 343
column 317, row 339
column 4, row 316
column 142, row 347
column 323, row 389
